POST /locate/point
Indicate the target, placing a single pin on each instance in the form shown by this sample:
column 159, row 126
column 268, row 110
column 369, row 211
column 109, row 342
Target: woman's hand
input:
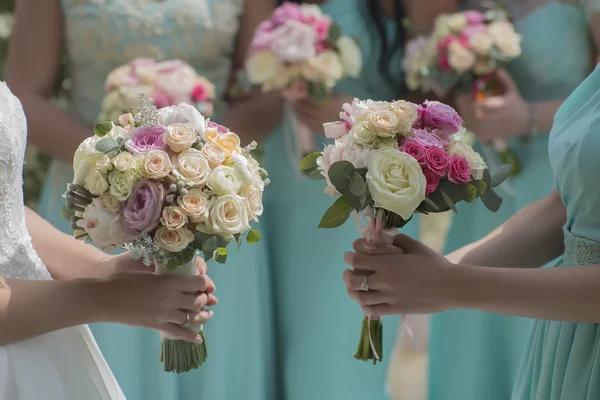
column 110, row 265
column 315, row 114
column 497, row 117
column 158, row 302
column 407, row 280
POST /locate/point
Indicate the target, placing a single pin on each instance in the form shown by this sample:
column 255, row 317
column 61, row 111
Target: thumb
column 410, row 245
column 506, row 81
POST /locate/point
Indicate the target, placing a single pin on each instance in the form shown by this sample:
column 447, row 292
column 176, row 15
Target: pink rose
column 458, row 169
column 474, row 17
column 416, row 150
column 160, row 99
column 436, row 160
column 147, row 138
column 285, row 12
column 261, row 41
column 444, row 62
column 441, row 116
column 473, row 29
column 445, row 42
column 322, row 28
column 432, row 179
column 426, row 138
column 294, row 42
column 217, row 127
column 142, row 211
column 199, row 93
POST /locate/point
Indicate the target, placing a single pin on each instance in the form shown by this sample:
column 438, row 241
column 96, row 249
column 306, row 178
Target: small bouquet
column 168, row 83
column 166, row 184
column 301, row 51
column 391, row 160
column 462, row 53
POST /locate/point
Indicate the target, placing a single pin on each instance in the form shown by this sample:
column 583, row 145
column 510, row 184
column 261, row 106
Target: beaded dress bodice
column 18, row 259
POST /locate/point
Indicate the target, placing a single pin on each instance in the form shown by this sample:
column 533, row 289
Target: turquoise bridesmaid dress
column 475, row 355
column 101, row 35
column 562, row 358
column 318, row 326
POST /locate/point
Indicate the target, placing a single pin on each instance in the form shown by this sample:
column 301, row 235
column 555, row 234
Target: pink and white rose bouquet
column 165, row 185
column 168, row 83
column 390, row 160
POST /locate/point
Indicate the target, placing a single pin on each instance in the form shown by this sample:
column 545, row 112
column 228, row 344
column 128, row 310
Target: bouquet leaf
column 335, row 32
column 103, row 128
column 431, row 204
column 253, row 237
column 448, row 201
column 107, row 146
column 318, row 91
column 481, row 187
column 500, row 175
column 357, row 185
column 309, row 162
column 491, row 200
column 340, row 174
column 337, row 214
column 220, row 255
column 468, row 192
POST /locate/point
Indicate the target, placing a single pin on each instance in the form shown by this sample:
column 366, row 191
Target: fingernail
column 198, row 339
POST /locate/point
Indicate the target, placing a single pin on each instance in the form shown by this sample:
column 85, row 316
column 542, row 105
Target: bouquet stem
column 177, row 355
column 370, row 345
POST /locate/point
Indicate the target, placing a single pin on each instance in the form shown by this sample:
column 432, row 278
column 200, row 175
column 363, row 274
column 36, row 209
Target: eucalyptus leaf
column 500, row 175
column 335, row 32
column 238, row 239
column 340, row 174
column 222, row 251
column 316, row 174
column 487, row 177
column 357, row 185
column 448, row 201
column 220, row 257
column 362, row 172
column 309, row 162
column 103, row 128
column 337, row 214
column 318, row 92
column 431, row 204
column 106, row 146
column 491, row 200
column 253, row 237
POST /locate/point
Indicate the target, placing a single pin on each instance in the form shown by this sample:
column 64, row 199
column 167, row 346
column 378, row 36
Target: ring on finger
column 186, row 324
column 364, row 286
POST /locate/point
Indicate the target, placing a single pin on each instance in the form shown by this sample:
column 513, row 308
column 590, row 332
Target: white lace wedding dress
column 61, row 365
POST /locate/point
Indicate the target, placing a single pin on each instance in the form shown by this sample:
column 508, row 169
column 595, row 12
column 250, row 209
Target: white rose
column 312, row 10
column 396, row 181
column 183, row 114
column 95, row 182
column 406, row 113
column 460, row 147
column 194, row 203
column 385, row 123
column 326, row 67
column 180, row 137
column 85, row 152
column 227, row 216
column 243, row 169
column 173, row 241
column 483, row 66
column 441, row 28
column 360, row 110
column 255, row 202
column 104, row 227
column 157, row 164
column 223, row 180
column 262, row 66
column 505, row 38
column 350, row 55
column 124, row 161
column 363, row 135
column 175, row 78
column 192, row 168
column 173, row 218
column 456, row 22
column 110, row 203
column 294, row 42
column 481, row 43
column 460, row 58
column 284, row 76
column 121, row 184
column 104, row 165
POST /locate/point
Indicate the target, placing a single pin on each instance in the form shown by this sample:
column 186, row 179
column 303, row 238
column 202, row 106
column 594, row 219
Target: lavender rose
column 147, row 138
column 143, row 209
column 441, row 117
column 425, row 137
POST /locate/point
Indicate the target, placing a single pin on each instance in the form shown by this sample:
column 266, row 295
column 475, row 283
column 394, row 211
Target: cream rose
column 192, row 168
column 460, row 147
column 481, row 43
column 124, row 161
column 483, row 66
column 456, row 22
column 180, row 137
column 505, row 38
column 243, row 169
column 350, row 55
column 157, row 164
column 227, row 216
column 255, row 203
column 223, row 180
column 214, row 154
column 111, row 203
column 363, row 135
column 173, row 241
column 396, row 181
column 326, row 67
column 121, row 184
column 104, row 165
column 95, row 182
column 384, row 122
column 262, row 66
column 229, row 142
column 460, row 58
column 173, row 218
column 406, row 113
column 194, row 203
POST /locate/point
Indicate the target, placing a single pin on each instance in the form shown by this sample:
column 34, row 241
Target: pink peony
column 160, row 99
column 426, row 138
column 147, row 138
column 432, row 179
column 416, row 150
column 294, row 42
column 473, row 29
column 474, row 17
column 458, row 169
column 285, row 12
column 437, row 160
column 441, row 116
column 322, row 28
column 142, row 211
column 335, row 130
column 199, row 93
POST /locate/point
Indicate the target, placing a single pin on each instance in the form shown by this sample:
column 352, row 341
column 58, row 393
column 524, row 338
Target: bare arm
column 33, row 61
column 530, row 238
column 242, row 117
column 422, row 14
column 595, row 32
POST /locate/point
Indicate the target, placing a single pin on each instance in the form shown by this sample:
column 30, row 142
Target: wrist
column 462, row 283
column 92, row 296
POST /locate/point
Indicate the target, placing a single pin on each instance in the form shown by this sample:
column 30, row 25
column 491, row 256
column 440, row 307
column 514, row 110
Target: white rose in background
column 104, row 227
column 227, row 216
column 194, row 203
column 294, row 42
column 459, row 146
column 223, row 180
column 326, row 67
column 456, row 22
column 460, row 58
column 505, row 38
column 483, row 66
column 481, row 43
column 95, row 182
column 184, row 114
column 350, row 55
column 396, row 181
column 173, row 240
column 176, row 79
column 262, row 67
column 192, row 168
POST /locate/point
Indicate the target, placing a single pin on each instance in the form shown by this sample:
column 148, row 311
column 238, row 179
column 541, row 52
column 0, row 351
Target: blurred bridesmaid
column 212, row 36
column 317, row 326
column 475, row 355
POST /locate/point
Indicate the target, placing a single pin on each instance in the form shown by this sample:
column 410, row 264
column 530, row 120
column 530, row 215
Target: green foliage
column 337, row 214
column 350, row 182
column 335, row 32
column 103, row 128
column 109, row 146
column 309, row 166
column 178, row 259
column 253, row 237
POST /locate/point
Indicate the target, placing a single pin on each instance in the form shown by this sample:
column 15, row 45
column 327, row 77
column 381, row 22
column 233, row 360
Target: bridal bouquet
column 391, row 160
column 168, row 83
column 166, row 184
column 301, row 51
column 463, row 52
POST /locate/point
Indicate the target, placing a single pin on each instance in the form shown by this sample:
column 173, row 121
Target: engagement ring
column 364, row 286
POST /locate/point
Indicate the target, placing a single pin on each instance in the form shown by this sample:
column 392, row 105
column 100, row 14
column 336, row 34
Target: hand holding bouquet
column 166, row 184
column 391, row 160
column 302, row 52
column 463, row 53
column 168, row 83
